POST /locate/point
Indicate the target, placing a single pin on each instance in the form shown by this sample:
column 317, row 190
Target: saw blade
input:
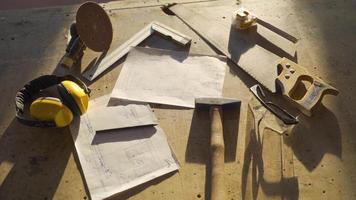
column 242, row 47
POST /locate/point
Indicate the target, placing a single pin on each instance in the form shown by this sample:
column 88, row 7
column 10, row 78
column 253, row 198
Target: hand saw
column 259, row 51
column 249, row 49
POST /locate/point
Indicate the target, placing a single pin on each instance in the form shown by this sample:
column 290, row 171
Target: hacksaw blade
column 243, row 48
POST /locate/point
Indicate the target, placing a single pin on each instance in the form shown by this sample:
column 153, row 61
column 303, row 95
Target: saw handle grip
column 291, row 75
column 217, row 150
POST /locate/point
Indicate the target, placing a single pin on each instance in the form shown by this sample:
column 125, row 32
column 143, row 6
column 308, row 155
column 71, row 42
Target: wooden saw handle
column 217, row 151
column 291, row 74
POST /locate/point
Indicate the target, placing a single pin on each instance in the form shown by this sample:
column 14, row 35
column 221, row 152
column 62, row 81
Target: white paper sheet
column 169, row 77
column 122, row 116
column 115, row 161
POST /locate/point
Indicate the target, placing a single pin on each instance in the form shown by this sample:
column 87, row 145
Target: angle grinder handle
column 217, row 150
column 74, row 50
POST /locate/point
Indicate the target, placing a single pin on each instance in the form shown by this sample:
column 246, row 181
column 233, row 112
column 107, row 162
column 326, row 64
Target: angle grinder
column 92, row 29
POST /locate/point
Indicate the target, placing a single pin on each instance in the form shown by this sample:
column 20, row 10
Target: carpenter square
column 217, row 147
column 136, row 39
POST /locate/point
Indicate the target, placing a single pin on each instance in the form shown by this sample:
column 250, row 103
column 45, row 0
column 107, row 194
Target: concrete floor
column 19, row 4
column 41, row 163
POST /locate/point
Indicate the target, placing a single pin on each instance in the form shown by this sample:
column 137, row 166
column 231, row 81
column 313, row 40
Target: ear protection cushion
column 65, row 109
column 68, row 99
column 51, row 109
column 34, row 86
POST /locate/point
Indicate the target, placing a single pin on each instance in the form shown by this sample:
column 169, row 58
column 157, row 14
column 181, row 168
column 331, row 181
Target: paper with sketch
column 169, row 77
column 115, row 161
column 122, row 116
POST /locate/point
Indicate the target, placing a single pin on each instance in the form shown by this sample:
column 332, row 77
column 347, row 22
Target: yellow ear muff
column 80, row 97
column 51, row 109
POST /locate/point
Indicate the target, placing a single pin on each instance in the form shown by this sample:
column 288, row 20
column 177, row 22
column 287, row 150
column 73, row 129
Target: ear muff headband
column 78, row 81
column 26, row 93
column 68, row 99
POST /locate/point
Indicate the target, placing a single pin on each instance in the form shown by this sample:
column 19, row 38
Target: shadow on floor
column 36, row 158
column 314, row 137
column 268, row 166
column 39, row 158
column 198, row 147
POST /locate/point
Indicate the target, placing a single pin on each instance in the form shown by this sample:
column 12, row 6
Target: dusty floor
column 41, row 164
column 19, row 4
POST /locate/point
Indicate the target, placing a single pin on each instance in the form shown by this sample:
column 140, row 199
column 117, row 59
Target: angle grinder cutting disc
column 94, row 26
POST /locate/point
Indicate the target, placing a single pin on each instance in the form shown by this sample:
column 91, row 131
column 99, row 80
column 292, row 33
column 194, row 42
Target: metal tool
column 94, row 26
column 244, row 47
column 75, row 48
column 281, row 113
column 243, row 19
column 257, row 51
column 92, row 29
column 122, row 50
column 291, row 75
column 217, row 147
